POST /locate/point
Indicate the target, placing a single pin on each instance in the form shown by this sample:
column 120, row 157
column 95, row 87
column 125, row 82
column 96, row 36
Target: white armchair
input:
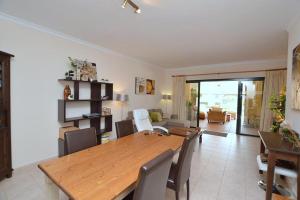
column 142, row 121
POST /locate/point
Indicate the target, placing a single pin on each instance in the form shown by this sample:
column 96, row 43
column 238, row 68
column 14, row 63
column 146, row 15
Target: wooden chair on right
column 152, row 179
column 180, row 171
column 124, row 128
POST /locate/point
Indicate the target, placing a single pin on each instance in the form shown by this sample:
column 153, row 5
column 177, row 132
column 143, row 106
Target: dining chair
column 81, row 139
column 152, row 178
column 142, row 121
column 124, row 128
column 180, row 171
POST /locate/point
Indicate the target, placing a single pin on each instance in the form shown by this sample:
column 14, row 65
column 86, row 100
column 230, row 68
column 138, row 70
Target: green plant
column 277, row 106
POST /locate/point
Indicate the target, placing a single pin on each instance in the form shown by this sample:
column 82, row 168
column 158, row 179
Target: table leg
column 270, row 175
column 52, row 191
column 298, row 179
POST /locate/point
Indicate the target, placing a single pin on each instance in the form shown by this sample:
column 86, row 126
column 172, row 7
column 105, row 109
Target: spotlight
column 138, row 11
column 133, row 5
column 124, row 3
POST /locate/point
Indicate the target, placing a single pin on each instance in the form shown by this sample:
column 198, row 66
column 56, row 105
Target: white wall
column 40, row 59
column 293, row 116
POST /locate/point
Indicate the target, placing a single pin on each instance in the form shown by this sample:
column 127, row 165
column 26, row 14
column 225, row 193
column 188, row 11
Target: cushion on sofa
column 155, row 116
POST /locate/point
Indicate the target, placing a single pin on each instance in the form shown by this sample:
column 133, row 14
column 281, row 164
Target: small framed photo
column 106, row 111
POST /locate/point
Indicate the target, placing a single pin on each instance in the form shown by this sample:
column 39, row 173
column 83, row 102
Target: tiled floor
column 222, row 169
column 228, row 127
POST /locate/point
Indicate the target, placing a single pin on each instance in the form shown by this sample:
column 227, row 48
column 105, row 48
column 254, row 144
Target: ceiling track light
column 133, row 5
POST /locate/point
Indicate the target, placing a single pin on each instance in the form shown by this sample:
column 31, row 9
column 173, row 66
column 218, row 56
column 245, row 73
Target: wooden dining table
column 107, row 171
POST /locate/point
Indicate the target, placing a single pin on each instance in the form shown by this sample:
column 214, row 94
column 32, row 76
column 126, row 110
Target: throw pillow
column 155, row 116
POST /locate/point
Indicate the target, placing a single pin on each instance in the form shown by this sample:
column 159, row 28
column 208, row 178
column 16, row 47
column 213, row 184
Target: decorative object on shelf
column 89, row 71
column 277, row 106
column 296, row 79
column 84, row 77
column 140, row 85
column 67, row 92
column 71, row 97
column 166, row 98
column 104, row 80
column 69, row 75
column 91, row 115
column 105, row 138
column 122, row 98
column 105, row 98
column 84, row 70
column 150, row 86
column 106, row 111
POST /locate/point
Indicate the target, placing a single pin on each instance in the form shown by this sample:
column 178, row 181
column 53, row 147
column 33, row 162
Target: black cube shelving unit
column 95, row 106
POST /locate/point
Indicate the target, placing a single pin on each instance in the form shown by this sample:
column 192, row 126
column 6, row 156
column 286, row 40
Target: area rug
column 215, row 133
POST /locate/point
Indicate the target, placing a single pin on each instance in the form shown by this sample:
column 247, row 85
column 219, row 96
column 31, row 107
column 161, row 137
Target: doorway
column 227, row 105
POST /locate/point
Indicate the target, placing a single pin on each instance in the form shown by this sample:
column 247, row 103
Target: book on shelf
column 105, row 138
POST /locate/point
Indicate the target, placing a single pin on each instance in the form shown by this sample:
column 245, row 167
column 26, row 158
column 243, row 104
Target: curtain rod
column 217, row 73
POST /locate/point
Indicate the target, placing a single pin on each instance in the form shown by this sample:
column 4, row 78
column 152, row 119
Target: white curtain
column 275, row 81
column 179, row 97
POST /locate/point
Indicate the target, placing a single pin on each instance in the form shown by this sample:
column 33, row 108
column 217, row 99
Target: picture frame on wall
column 296, row 79
column 140, row 85
column 144, row 86
column 150, row 86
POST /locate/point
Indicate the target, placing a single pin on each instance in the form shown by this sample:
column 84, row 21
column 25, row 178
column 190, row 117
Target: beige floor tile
column 222, row 169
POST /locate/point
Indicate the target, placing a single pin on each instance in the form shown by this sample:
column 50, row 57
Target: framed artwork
column 150, row 87
column 296, row 79
column 140, row 85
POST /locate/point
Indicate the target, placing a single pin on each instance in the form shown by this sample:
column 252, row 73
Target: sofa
column 166, row 122
column 216, row 115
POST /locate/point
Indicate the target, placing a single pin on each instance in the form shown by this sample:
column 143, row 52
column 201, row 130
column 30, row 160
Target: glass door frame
column 240, row 105
column 239, row 102
column 198, row 102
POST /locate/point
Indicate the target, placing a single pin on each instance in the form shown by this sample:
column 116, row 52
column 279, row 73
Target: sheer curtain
column 274, row 82
column 179, row 97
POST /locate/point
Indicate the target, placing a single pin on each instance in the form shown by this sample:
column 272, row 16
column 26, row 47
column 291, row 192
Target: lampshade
column 166, row 97
column 122, row 97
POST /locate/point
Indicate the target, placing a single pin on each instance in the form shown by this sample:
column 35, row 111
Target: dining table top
column 107, row 171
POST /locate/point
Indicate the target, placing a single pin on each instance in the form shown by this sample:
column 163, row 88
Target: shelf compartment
column 71, row 119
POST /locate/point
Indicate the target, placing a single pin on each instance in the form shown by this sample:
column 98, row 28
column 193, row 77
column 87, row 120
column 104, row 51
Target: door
column 192, row 103
column 249, row 106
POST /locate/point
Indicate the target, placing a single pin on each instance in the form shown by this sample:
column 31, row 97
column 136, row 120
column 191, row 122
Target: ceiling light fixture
column 133, row 5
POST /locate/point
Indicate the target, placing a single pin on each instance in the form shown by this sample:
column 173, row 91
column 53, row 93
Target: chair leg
column 200, row 139
column 188, row 189
column 177, row 195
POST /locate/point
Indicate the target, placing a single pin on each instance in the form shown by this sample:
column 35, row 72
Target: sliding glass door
column 250, row 105
column 192, row 103
column 229, row 106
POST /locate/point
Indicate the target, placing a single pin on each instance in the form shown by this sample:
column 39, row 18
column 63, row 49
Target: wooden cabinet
column 5, row 136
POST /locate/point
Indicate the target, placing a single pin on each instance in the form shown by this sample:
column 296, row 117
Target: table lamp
column 122, row 98
column 166, row 97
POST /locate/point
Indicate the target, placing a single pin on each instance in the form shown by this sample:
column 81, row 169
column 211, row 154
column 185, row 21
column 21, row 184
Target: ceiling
column 170, row 33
